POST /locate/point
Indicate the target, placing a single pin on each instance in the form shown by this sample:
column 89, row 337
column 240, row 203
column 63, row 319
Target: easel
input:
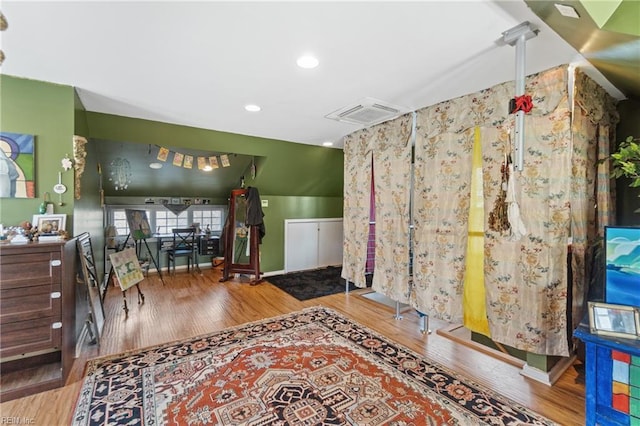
column 136, row 270
column 139, row 249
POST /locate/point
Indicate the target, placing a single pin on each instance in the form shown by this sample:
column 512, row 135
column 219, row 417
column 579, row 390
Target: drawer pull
column 56, row 295
column 56, row 262
column 56, row 325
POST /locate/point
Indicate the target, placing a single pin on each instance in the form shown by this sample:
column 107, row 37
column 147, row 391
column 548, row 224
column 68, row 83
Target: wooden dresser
column 37, row 316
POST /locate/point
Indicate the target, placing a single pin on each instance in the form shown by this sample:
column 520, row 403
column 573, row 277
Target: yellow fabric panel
column 475, row 312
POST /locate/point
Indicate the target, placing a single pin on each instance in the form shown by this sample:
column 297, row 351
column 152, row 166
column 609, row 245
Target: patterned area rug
column 313, row 367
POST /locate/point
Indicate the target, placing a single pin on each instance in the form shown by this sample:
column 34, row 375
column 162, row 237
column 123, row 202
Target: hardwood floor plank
column 192, row 304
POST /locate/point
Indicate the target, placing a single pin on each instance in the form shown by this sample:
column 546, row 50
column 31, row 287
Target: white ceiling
column 199, row 63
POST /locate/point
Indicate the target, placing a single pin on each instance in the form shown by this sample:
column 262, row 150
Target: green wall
column 287, row 169
column 299, row 181
column 46, row 111
column 281, row 208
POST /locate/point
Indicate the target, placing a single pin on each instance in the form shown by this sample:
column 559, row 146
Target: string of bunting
column 187, row 161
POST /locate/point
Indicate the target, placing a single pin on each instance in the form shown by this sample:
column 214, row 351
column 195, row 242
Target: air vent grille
column 367, row 111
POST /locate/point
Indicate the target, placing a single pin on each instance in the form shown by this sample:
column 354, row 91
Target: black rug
column 307, row 285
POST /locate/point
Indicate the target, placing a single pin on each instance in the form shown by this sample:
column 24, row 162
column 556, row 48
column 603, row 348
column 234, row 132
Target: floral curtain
column 527, row 288
column 526, row 280
column 440, row 214
column 392, row 177
column 592, row 207
column 357, row 197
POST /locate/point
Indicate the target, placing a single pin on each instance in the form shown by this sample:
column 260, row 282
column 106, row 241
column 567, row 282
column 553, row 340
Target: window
column 162, row 221
column 119, row 220
column 165, row 221
column 210, row 218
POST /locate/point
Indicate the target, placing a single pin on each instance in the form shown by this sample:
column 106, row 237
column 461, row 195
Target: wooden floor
column 193, row 304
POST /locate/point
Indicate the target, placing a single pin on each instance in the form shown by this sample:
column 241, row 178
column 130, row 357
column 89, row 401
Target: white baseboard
column 550, row 377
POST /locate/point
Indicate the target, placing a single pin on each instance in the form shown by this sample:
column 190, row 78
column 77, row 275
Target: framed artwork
column 90, row 274
column 614, row 320
column 138, row 224
column 17, row 165
column 49, row 223
column 127, row 268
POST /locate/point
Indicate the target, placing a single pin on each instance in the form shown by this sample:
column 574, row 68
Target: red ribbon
column 522, row 103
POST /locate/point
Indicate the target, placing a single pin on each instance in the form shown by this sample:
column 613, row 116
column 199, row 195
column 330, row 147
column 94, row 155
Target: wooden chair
column 184, row 245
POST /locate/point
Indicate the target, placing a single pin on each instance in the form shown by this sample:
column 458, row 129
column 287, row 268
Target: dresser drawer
column 26, row 304
column 29, row 336
column 30, row 269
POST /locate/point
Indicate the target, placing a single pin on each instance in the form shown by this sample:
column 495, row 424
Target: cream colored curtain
column 440, row 215
column 392, row 177
column 357, row 198
column 592, row 207
column 525, row 280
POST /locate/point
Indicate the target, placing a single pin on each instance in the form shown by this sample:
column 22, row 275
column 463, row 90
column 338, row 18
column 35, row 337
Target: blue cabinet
column 612, row 375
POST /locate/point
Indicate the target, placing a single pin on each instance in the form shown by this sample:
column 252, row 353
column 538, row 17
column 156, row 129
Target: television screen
column 622, row 274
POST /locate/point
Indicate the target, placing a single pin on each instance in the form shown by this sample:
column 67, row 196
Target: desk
column 206, row 245
column 612, row 376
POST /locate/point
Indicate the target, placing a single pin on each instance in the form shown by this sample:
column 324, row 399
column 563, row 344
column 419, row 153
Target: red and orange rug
column 313, row 367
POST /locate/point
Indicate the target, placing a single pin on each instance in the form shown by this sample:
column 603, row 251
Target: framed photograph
column 49, row 223
column 614, row 320
column 175, row 201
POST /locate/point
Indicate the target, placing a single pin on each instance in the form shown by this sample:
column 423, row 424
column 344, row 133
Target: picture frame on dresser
column 49, row 223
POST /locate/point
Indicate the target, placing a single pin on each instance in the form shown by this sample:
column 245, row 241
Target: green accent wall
column 281, row 208
column 287, row 168
column 46, row 111
column 299, row 181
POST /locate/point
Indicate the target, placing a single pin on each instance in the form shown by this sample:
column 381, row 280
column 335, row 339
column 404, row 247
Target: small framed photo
column 49, row 223
column 187, row 201
column 175, row 201
column 614, row 320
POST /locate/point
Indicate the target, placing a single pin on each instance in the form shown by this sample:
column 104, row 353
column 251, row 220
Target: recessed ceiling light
column 155, row 165
column 327, row 143
column 252, row 108
column 567, row 11
column 307, row 61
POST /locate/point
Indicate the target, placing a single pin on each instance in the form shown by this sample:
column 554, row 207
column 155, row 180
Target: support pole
column 518, row 36
column 520, row 78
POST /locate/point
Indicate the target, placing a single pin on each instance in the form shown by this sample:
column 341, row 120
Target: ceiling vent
column 367, row 111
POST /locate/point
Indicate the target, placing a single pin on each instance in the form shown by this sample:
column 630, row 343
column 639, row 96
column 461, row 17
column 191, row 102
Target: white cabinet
column 312, row 243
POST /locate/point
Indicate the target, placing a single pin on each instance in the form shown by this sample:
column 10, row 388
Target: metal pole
column 520, row 80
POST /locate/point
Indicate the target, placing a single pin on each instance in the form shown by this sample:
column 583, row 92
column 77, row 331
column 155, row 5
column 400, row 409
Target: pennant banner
column 163, row 154
column 177, row 159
